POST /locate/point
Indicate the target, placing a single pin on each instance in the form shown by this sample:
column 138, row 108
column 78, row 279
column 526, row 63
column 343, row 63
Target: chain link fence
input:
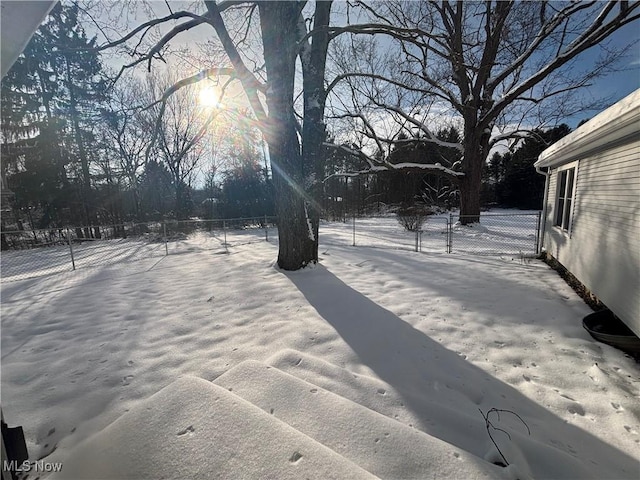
column 386, row 232
column 496, row 234
column 34, row 253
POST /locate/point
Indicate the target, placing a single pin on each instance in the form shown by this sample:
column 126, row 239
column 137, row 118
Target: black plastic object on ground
column 605, row 327
column 14, row 450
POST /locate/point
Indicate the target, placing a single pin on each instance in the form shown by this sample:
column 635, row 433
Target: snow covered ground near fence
column 505, row 233
column 429, row 340
column 502, row 232
column 36, row 262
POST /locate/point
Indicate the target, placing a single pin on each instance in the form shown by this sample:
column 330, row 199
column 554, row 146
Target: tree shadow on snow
column 445, row 391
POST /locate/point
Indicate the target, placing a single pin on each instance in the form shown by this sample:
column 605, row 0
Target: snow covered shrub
column 413, row 216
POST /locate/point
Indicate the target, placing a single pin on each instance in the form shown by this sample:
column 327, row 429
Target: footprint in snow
column 576, row 409
column 295, row 458
column 187, row 431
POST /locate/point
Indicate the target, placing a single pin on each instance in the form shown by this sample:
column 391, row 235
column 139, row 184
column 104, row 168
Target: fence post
column 446, row 237
column 354, row 230
column 224, row 229
column 164, row 232
column 73, row 263
column 538, row 233
column 450, row 233
column 417, row 233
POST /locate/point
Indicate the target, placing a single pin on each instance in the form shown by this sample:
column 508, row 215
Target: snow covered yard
column 377, row 361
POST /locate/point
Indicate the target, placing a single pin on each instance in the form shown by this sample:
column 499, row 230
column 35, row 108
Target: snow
column 377, row 166
column 313, row 102
column 424, row 166
column 378, row 360
column 310, row 233
column 199, row 430
column 501, row 232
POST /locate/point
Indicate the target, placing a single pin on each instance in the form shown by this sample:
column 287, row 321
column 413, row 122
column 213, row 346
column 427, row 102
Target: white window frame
column 567, row 201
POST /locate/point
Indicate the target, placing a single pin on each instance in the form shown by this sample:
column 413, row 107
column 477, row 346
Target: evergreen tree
column 83, row 89
column 50, row 101
column 516, row 182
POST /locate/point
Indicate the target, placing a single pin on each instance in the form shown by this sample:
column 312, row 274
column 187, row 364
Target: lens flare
column 209, row 98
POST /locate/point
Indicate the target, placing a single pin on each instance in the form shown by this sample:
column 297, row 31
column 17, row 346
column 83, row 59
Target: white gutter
column 543, row 220
column 617, row 123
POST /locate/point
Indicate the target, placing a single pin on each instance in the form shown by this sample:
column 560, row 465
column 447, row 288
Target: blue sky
column 618, row 85
column 609, row 88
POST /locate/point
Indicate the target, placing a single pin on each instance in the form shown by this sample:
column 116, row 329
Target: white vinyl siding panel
column 598, row 214
column 603, row 247
column 550, row 201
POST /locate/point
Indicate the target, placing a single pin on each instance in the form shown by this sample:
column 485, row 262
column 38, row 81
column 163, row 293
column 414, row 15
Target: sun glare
column 209, row 98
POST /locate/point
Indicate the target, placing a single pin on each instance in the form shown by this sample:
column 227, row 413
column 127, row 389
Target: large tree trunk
column 470, row 193
column 476, row 149
column 178, row 203
column 314, row 132
column 297, row 238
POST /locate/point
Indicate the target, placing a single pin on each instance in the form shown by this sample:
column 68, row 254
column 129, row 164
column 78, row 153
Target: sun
column 208, row 97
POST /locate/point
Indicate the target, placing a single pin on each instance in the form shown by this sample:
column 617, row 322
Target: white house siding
column 602, row 248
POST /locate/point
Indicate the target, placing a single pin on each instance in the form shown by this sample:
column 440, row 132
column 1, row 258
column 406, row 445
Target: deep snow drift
column 340, row 370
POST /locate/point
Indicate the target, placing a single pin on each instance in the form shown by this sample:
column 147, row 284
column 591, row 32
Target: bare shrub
column 413, row 216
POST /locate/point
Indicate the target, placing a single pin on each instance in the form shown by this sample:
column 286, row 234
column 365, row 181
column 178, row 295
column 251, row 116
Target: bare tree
column 180, row 127
column 295, row 140
column 127, row 135
column 489, row 64
column 481, row 59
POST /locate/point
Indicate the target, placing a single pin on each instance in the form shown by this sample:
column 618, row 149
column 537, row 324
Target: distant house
column 591, row 211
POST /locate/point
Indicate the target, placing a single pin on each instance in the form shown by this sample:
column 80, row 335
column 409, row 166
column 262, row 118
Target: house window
column 564, row 198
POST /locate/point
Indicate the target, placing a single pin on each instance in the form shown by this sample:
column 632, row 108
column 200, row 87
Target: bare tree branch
column 248, row 79
column 592, row 36
column 147, row 25
column 430, row 137
column 382, row 165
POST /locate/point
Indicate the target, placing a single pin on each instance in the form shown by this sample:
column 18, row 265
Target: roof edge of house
column 619, row 121
column 18, row 22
